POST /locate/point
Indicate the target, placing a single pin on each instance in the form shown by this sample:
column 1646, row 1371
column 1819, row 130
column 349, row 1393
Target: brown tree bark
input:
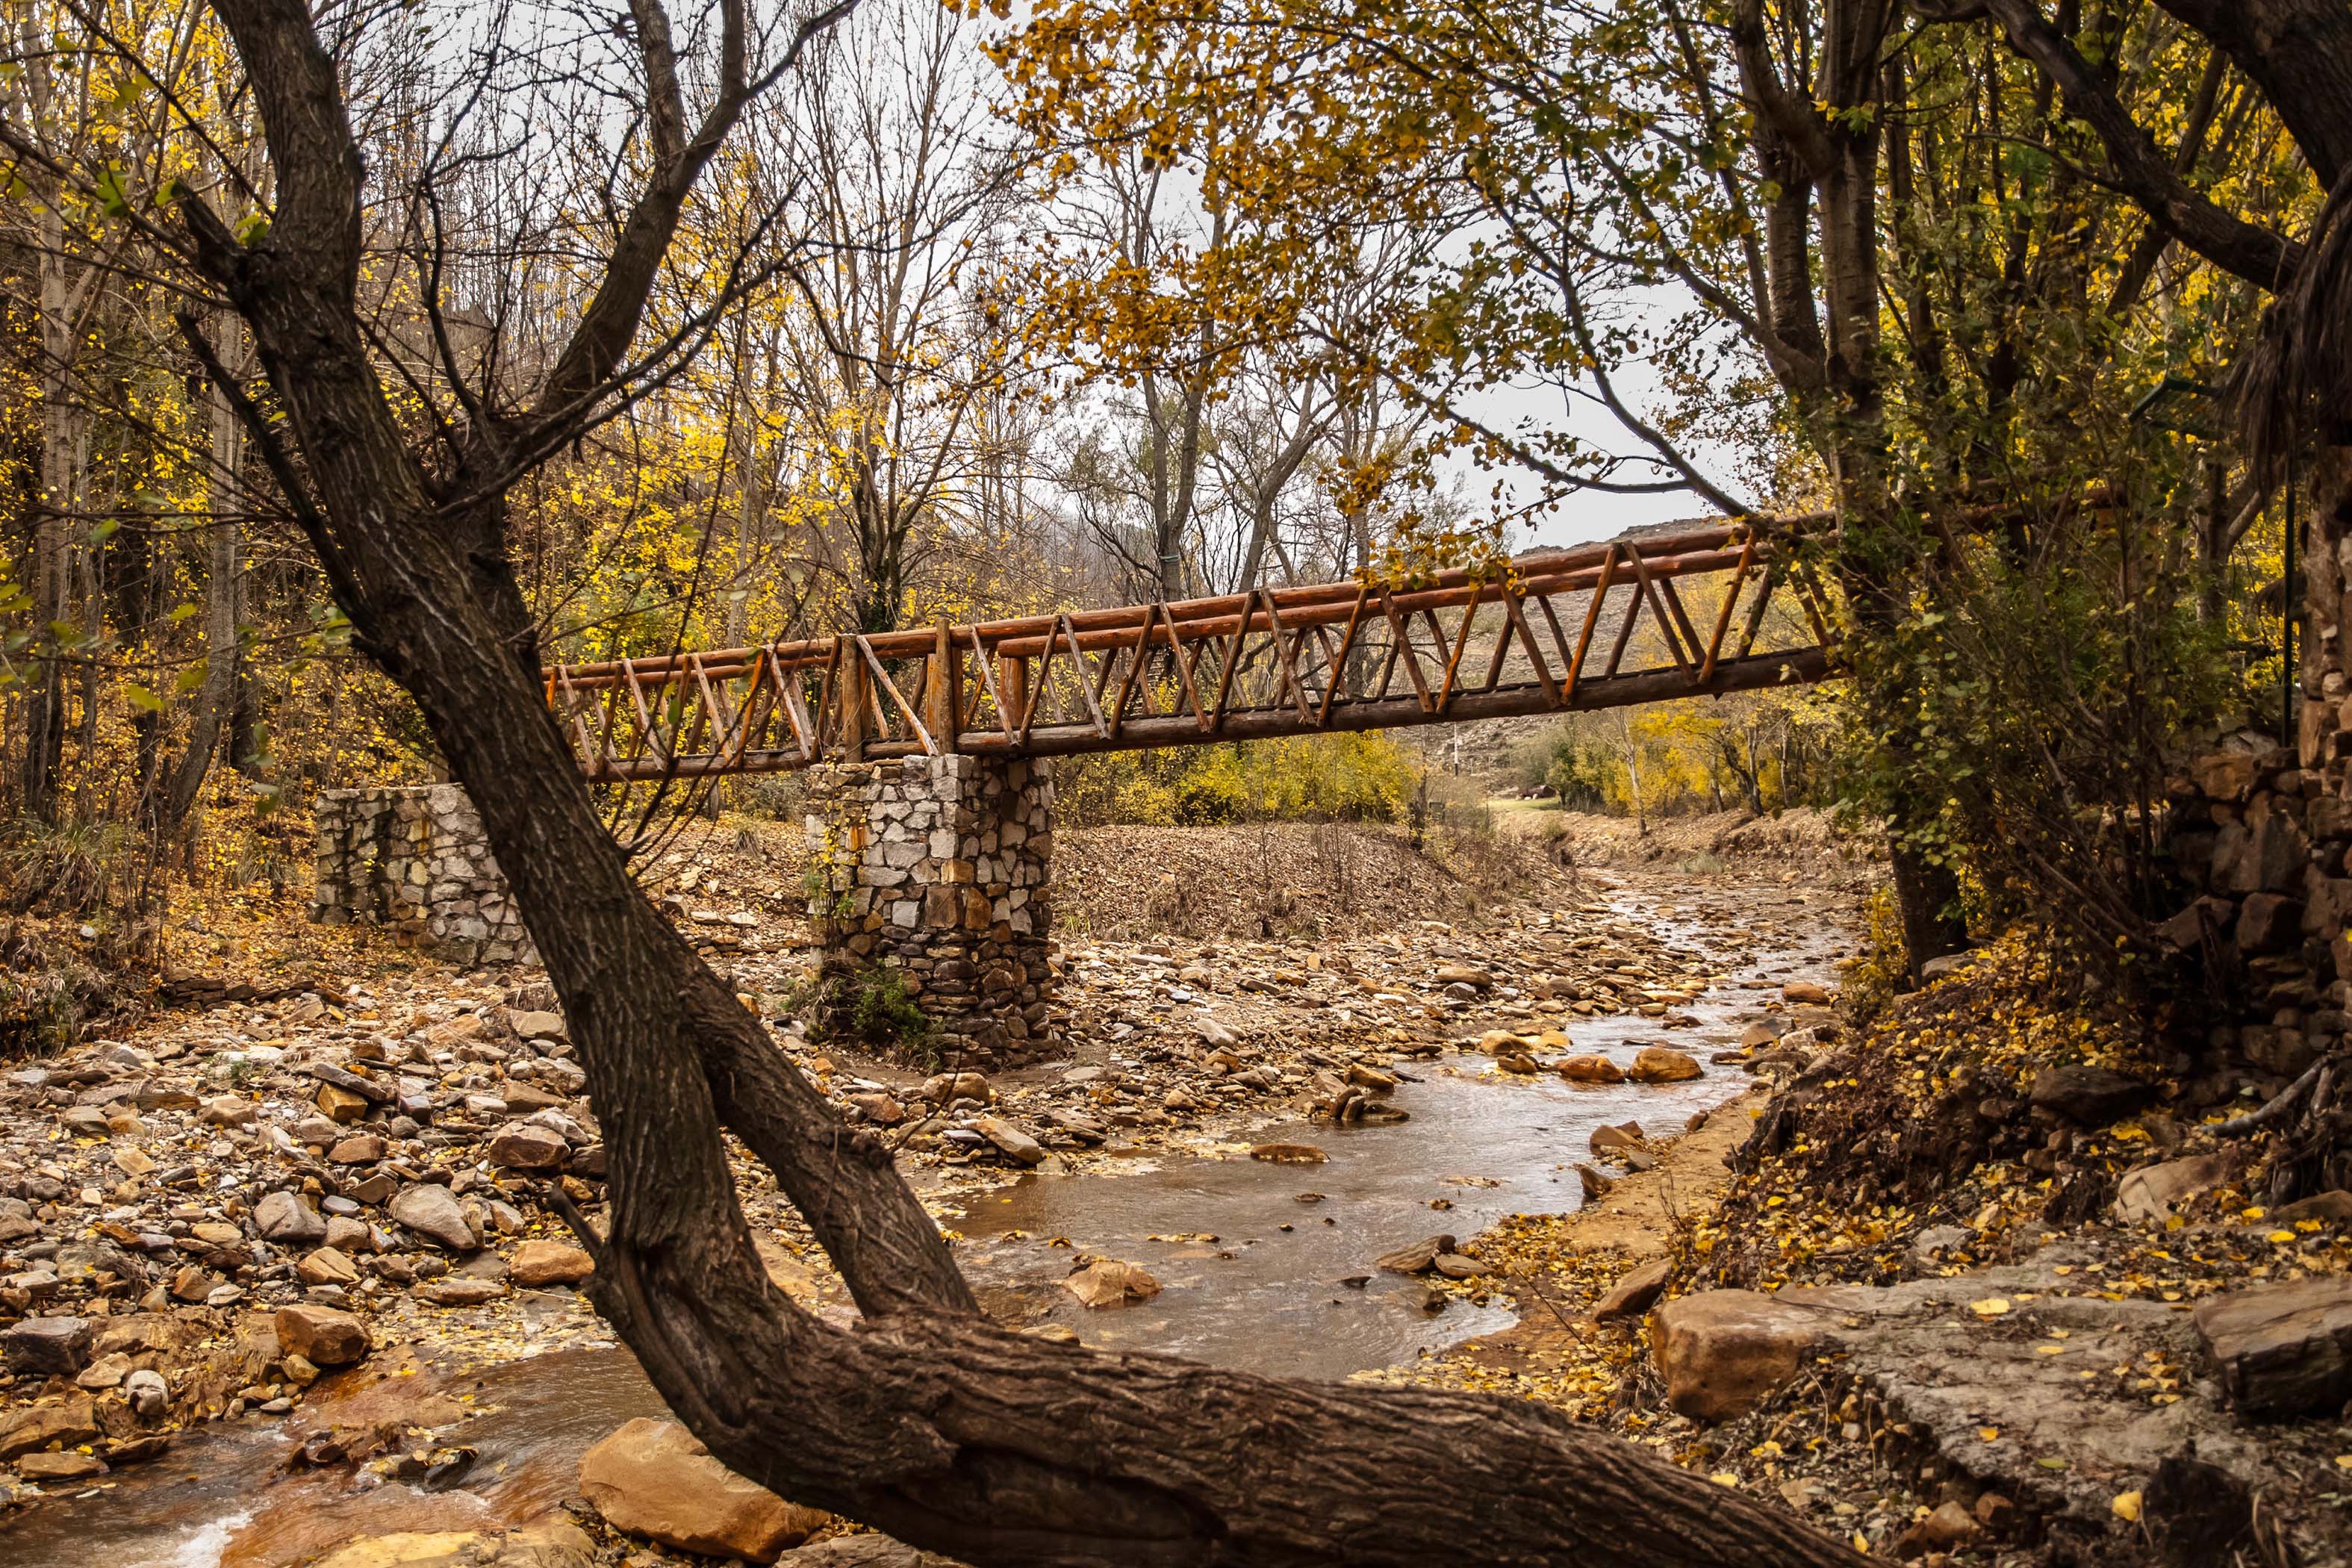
column 928, row 1420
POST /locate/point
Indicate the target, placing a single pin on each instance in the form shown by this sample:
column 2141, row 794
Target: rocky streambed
column 277, row 1278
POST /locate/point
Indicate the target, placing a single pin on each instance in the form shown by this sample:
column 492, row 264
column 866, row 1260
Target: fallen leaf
column 2126, row 1506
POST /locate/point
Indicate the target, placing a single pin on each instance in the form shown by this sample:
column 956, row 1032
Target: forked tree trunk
column 928, row 1421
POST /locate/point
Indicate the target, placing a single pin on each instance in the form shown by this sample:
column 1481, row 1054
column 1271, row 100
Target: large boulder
column 322, row 1336
column 1722, row 1353
column 656, row 1479
column 2282, row 1350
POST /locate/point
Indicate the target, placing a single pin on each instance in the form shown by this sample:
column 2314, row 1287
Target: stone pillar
column 415, row 858
column 936, row 870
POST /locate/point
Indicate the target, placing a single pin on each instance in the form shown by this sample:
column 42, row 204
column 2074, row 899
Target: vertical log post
column 853, row 704
column 943, row 693
column 1012, row 687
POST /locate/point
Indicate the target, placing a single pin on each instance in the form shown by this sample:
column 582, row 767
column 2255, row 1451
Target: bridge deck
column 1692, row 612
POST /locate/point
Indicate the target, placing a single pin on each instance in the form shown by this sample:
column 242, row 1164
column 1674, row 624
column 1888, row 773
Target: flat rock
column 656, row 1479
column 459, row 1290
column 1591, row 1067
column 2282, row 1350
column 432, row 1212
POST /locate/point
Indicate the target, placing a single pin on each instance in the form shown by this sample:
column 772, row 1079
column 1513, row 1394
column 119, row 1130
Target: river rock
column 1215, row 1035
column 1010, row 1139
column 1635, row 1293
column 1805, row 991
column 46, row 1347
column 941, row 1088
column 2282, row 1350
column 2145, row 1197
column 285, row 1219
column 459, row 1290
column 432, row 1213
column 149, row 1395
column 362, row 1149
column 1661, row 1064
column 1464, row 974
column 1596, row 1185
column 1417, row 1259
column 1723, row 1352
column 1107, row 1282
column 322, row 1336
column 538, row 1263
column 328, row 1266
column 527, row 1146
column 1591, row 1067
column 656, row 1479
column 227, row 1110
column 536, row 1024
column 1608, row 1140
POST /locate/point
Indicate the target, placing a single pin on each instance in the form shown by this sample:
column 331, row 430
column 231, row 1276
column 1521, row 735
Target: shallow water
column 1258, row 1297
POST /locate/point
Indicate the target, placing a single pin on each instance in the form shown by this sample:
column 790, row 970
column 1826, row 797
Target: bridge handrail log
column 1540, row 573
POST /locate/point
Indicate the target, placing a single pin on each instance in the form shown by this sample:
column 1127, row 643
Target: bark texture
column 927, row 1421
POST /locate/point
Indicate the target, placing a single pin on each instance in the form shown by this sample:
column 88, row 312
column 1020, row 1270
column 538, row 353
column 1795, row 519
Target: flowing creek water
column 1286, row 1286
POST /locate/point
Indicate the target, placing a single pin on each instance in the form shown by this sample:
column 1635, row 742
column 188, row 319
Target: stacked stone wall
column 939, row 870
column 415, row 859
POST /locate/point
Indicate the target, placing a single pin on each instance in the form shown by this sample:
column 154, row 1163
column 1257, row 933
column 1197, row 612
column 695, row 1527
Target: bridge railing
column 1696, row 612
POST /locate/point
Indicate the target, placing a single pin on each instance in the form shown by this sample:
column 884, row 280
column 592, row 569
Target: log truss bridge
column 1687, row 611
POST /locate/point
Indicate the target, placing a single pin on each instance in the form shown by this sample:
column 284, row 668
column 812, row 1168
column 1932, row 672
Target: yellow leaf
column 1724, row 1479
column 1990, row 1307
column 1990, row 1434
column 2126, row 1506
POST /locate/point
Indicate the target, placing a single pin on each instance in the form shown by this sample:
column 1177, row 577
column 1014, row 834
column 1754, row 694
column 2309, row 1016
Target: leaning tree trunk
column 928, row 1420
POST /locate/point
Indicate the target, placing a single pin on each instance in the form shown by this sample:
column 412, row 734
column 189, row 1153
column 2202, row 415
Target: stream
column 1254, row 1277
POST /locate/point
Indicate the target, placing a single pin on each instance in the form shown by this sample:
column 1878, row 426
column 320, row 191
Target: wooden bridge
column 1691, row 610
